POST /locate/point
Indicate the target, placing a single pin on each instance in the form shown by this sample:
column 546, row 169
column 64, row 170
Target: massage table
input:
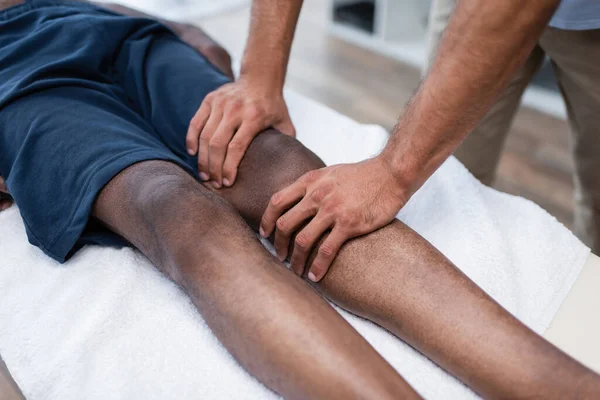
column 107, row 325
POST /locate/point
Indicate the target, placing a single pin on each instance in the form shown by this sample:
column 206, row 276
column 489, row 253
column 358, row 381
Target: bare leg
column 428, row 302
column 271, row 321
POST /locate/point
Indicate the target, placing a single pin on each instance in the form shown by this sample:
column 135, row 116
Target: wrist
column 262, row 82
column 403, row 178
column 269, row 77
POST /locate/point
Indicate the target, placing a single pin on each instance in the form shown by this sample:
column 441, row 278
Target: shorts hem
column 61, row 246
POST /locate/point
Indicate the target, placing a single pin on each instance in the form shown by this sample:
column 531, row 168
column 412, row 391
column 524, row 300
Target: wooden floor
column 374, row 89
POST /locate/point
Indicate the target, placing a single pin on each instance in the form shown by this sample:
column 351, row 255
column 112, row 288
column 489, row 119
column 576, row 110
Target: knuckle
column 301, row 241
column 311, row 176
column 255, row 112
column 215, row 144
column 319, row 194
column 210, row 97
column 282, row 225
column 345, row 222
column 326, row 250
column 331, row 209
column 204, row 140
column 235, row 145
column 236, row 105
column 276, row 199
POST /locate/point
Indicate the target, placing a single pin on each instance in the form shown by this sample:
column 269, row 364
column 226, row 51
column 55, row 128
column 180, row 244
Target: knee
column 281, row 158
column 170, row 201
column 272, row 162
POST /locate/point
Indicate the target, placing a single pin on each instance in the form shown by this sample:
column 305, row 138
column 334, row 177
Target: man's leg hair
column 398, row 280
column 275, row 325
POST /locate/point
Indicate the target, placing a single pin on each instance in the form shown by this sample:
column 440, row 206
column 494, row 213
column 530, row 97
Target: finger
column 286, row 127
column 280, row 202
column 236, row 150
column 195, row 127
column 209, row 129
column 217, row 149
column 306, row 239
column 326, row 254
column 288, row 224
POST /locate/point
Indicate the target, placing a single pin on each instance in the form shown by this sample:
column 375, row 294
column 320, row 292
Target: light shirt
column 577, row 15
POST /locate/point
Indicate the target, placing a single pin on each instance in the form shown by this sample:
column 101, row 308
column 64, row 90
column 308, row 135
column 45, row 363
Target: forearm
column 483, row 47
column 272, row 28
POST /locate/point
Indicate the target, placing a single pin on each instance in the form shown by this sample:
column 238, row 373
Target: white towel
column 107, row 325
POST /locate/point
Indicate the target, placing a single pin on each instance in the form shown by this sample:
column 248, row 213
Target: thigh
column 167, row 80
column 60, row 146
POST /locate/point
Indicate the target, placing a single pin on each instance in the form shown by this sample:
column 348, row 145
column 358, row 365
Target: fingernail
column 262, row 232
column 312, row 277
column 190, row 152
column 204, row 176
column 226, row 182
column 215, row 184
column 281, row 257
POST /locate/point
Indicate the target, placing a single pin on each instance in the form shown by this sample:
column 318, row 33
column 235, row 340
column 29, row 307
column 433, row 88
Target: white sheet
column 106, row 325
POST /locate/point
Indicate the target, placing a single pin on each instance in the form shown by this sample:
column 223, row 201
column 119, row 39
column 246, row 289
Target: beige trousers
column 575, row 57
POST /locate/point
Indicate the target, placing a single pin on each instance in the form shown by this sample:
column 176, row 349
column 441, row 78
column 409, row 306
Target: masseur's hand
column 226, row 123
column 5, row 199
column 349, row 200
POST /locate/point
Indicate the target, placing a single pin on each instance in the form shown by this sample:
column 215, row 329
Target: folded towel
column 107, row 325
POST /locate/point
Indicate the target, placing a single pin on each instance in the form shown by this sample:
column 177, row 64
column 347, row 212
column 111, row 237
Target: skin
column 230, row 117
column 5, row 199
column 484, row 45
column 275, row 325
column 429, row 303
column 199, row 240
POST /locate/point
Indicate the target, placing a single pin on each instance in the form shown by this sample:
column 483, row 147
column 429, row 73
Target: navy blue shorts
column 85, row 93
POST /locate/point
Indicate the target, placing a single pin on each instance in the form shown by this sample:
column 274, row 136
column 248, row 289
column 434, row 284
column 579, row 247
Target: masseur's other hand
column 226, row 123
column 5, row 199
column 349, row 200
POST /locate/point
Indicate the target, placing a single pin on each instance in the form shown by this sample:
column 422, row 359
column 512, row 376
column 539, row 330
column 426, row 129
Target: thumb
column 286, row 126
